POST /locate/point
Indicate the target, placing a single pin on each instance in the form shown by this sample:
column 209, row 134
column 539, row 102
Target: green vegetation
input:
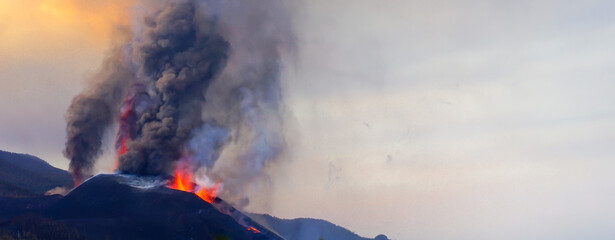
column 221, row 237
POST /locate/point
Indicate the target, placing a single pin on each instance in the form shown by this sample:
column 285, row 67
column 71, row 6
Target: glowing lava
column 209, row 194
column 254, row 230
column 123, row 148
column 127, row 121
column 183, row 182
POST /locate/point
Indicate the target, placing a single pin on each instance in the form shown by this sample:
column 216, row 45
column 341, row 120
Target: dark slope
column 11, row 207
column 308, row 229
column 121, row 207
column 23, row 175
column 10, row 190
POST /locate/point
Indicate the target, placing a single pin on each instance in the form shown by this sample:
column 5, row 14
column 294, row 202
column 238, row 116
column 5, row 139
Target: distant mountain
column 308, row 229
column 23, row 175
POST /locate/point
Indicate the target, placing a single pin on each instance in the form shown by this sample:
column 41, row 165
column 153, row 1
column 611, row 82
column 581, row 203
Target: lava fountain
column 183, row 181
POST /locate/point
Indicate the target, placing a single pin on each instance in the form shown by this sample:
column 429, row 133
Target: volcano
column 114, row 206
column 129, row 207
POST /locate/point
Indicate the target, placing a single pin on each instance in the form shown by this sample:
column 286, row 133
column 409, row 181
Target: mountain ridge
column 308, row 228
column 23, row 175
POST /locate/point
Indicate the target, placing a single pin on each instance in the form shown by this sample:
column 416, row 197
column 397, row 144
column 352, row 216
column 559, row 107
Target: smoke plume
column 198, row 82
column 91, row 113
column 178, row 57
column 246, row 99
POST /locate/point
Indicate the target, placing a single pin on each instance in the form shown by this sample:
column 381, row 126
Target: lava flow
column 208, row 194
column 127, row 119
column 122, row 149
column 254, row 230
column 183, row 182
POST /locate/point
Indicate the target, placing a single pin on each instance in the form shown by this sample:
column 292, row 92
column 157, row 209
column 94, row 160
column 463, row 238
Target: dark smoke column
column 177, row 57
column 91, row 113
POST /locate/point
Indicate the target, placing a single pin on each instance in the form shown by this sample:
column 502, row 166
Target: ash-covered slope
column 123, row 207
column 23, row 175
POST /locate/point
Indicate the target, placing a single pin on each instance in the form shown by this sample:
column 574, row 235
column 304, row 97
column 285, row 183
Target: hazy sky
column 416, row 119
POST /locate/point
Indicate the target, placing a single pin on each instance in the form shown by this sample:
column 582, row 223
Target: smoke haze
column 496, row 115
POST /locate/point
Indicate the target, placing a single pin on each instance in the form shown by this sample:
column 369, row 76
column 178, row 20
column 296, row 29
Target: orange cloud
column 99, row 17
column 39, row 29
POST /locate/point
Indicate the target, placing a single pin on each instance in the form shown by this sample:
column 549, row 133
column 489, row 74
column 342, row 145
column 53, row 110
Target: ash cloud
column 178, row 56
column 198, row 80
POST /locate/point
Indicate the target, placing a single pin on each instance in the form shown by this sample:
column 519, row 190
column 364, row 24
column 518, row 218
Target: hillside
column 23, row 175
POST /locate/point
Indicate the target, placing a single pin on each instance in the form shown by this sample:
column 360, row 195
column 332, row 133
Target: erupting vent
column 183, row 181
column 195, row 83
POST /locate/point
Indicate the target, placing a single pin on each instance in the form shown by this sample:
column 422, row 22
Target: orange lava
column 123, row 148
column 120, row 151
column 208, row 194
column 254, row 230
column 183, row 182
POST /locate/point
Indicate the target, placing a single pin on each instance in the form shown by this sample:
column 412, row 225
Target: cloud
column 47, row 49
column 41, row 29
